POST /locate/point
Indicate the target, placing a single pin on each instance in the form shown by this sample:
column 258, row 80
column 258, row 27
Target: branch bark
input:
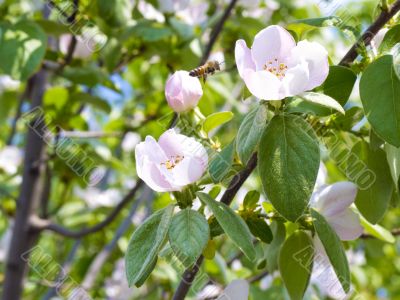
column 372, row 30
column 235, row 184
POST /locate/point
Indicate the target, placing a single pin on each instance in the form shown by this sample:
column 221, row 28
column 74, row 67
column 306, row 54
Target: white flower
column 95, row 197
column 171, row 163
column 194, row 14
column 171, row 6
column 130, row 141
column 10, row 159
column 275, row 67
column 236, row 290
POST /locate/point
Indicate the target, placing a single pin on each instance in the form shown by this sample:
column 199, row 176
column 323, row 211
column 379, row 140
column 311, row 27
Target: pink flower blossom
column 275, row 67
column 182, row 91
column 171, row 163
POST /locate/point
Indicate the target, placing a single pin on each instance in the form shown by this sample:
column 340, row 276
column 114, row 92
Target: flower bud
column 182, row 91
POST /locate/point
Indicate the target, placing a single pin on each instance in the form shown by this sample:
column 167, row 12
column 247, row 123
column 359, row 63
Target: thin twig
column 40, row 224
column 372, row 30
column 216, row 31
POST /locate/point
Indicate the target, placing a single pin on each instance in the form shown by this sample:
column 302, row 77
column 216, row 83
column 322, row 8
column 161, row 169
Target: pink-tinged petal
column 295, row 80
column 183, row 91
column 189, row 170
column 153, row 177
column 262, row 84
column 347, row 225
column 174, row 144
column 334, row 199
column 243, row 57
column 151, row 148
column 317, row 58
column 270, row 43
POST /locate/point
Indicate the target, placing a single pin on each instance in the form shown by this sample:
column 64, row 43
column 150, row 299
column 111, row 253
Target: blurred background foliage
column 117, row 92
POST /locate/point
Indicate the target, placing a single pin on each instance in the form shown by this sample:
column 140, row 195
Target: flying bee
column 208, row 68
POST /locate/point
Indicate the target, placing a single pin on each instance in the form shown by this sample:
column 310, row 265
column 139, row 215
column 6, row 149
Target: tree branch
column 216, row 31
column 40, row 224
column 394, row 232
column 372, row 30
column 235, row 184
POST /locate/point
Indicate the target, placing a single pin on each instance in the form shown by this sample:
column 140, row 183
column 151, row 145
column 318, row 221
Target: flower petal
column 270, row 43
column 321, row 177
column 334, row 199
column 317, row 58
column 347, row 225
column 153, row 177
column 150, row 148
column 189, row 170
column 236, row 290
column 243, row 57
column 262, row 84
column 295, row 80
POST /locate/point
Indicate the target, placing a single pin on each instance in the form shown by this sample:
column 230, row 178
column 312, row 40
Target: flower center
column 171, row 163
column 275, row 67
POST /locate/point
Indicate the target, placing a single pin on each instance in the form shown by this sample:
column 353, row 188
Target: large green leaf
column 22, row 48
column 250, row 132
column 232, row 224
column 339, row 83
column 216, row 119
column 260, row 229
column 295, row 263
column 380, row 96
column 391, row 38
column 188, row 235
column 315, row 103
column 145, row 244
column 221, row 163
column 288, row 164
column 369, row 169
column 333, row 248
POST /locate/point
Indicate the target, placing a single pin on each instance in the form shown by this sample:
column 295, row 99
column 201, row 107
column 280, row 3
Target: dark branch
column 216, row 31
column 235, row 184
column 372, row 30
column 39, row 224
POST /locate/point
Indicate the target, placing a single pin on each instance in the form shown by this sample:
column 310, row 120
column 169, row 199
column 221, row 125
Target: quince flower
column 275, row 67
column 171, row 163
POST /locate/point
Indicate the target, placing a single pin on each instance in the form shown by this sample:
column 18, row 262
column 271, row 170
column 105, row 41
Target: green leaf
column 380, row 96
column 53, row 28
column 370, row 171
column 393, row 158
column 216, row 119
column 215, row 228
column 250, row 131
column 232, row 224
column 89, row 76
column 391, row 38
column 188, row 235
column 302, row 26
column 351, row 118
column 260, row 229
column 148, row 31
column 115, row 13
column 333, row 248
column 221, row 163
column 288, row 164
column 251, row 199
column 339, row 83
column 377, row 231
column 295, row 263
column 96, row 102
column 145, row 244
column 272, row 250
column 319, row 100
column 22, row 48
column 55, row 97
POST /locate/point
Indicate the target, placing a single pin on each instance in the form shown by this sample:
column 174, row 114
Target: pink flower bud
column 182, row 91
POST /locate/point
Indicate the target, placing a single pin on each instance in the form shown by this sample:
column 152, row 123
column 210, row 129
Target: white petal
column 262, row 84
column 236, row 290
column 270, row 43
column 321, row 177
column 336, row 198
column 189, row 170
column 243, row 57
column 151, row 148
column 317, row 58
column 347, row 225
column 295, row 80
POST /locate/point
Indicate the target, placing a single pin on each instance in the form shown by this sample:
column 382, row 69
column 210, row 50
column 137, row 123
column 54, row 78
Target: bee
column 208, row 68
